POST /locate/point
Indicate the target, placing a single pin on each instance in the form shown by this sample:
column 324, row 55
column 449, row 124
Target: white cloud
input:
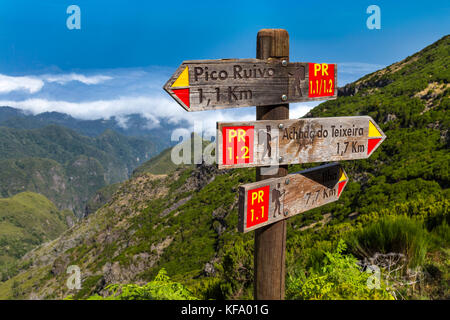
column 120, row 92
column 30, row 84
column 153, row 108
column 64, row 78
column 97, row 109
column 34, row 84
column 298, row 110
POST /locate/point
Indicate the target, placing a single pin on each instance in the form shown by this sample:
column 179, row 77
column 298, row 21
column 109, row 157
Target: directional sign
column 268, row 201
column 279, row 142
column 217, row 84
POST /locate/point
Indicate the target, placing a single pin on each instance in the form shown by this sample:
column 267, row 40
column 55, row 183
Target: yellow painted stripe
column 373, row 131
column 183, row 79
column 343, row 176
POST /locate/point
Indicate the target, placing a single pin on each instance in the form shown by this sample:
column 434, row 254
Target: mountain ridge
column 75, row 166
column 186, row 221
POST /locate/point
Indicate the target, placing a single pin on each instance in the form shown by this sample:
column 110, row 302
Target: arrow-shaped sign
column 280, row 142
column 268, row 201
column 217, row 84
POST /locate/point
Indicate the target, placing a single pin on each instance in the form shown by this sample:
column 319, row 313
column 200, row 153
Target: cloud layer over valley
column 103, row 94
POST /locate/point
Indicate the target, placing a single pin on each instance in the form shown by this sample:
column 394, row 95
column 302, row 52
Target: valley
column 181, row 222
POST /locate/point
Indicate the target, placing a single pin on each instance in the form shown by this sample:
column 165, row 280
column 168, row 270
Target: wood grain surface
column 280, row 142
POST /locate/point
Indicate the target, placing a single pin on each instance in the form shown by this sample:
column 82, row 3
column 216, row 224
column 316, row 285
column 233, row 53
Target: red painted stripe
column 341, row 186
column 372, row 143
column 183, row 95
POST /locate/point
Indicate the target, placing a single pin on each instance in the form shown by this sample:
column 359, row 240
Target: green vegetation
column 161, row 288
column 66, row 167
column 101, row 197
column 26, row 220
column 393, row 214
column 163, row 164
column 160, row 164
column 393, row 234
column 339, row 278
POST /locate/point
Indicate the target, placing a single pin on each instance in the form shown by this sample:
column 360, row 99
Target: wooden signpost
column 230, row 83
column 278, row 142
column 271, row 82
column 270, row 241
column 271, row 200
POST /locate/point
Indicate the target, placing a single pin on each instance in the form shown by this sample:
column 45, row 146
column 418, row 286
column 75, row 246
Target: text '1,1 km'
column 230, row 83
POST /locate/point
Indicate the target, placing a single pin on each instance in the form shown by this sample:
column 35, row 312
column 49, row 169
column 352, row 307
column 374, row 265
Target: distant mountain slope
column 160, row 165
column 101, row 197
column 163, row 164
column 7, row 113
column 133, row 125
column 26, row 220
column 50, row 142
column 65, row 166
column 186, row 221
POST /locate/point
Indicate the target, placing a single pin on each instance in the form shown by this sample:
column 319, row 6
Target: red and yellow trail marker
column 231, row 83
column 236, row 145
column 181, row 87
column 278, row 142
column 322, row 78
column 258, row 206
column 268, row 201
column 375, row 137
column 342, row 182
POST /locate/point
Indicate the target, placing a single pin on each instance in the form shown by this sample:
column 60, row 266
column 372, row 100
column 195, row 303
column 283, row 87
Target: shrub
column 392, row 233
column 162, row 288
column 236, row 270
column 339, row 278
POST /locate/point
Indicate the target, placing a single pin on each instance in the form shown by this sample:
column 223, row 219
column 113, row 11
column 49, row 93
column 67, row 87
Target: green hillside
column 136, row 125
column 27, row 220
column 395, row 210
column 101, row 197
column 160, row 164
column 410, row 102
column 163, row 164
column 65, row 166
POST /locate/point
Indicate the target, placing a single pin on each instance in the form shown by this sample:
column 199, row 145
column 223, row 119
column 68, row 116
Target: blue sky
column 125, row 50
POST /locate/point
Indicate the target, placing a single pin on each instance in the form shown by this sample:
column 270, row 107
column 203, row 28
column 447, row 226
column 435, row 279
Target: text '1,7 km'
column 274, row 141
column 271, row 200
column 279, row 142
column 230, row 83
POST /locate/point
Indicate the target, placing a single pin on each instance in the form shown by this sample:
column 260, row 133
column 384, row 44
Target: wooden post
column 270, row 241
